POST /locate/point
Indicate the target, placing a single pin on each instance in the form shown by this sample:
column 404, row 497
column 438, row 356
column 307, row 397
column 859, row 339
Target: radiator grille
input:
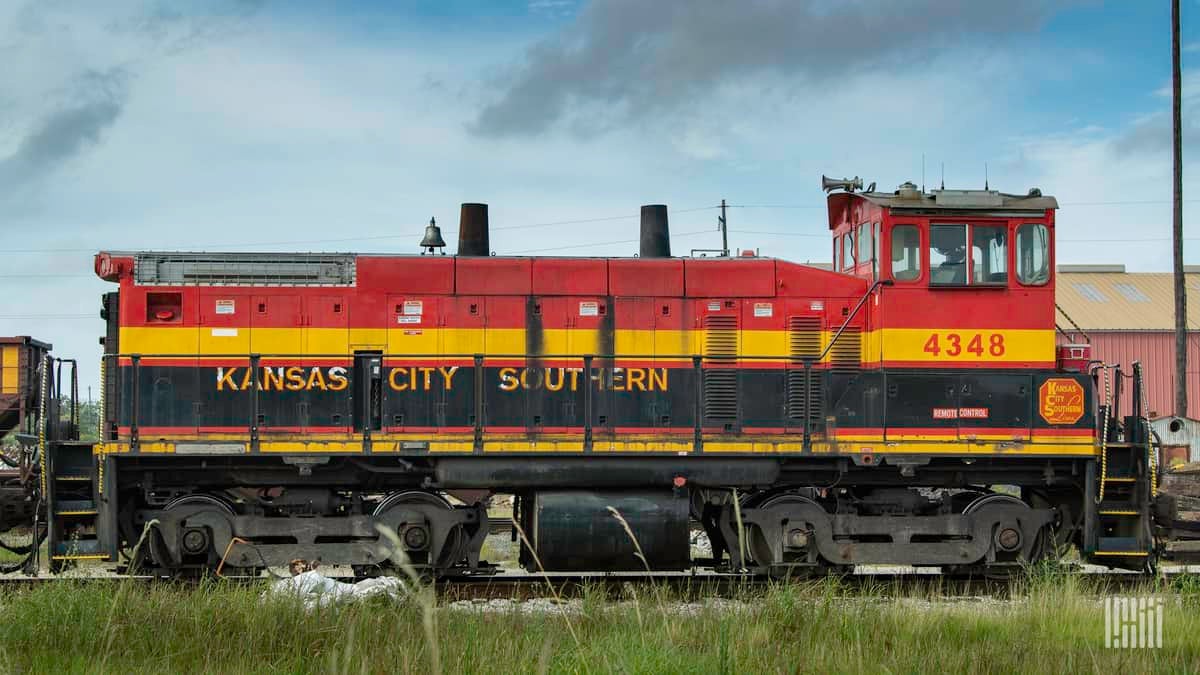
column 804, row 337
column 846, row 353
column 234, row 269
column 804, row 389
column 720, row 375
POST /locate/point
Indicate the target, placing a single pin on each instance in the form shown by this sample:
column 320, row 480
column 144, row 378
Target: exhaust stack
column 473, row 230
column 656, row 235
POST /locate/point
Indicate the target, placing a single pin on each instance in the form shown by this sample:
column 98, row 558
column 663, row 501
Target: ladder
column 1119, row 527
column 71, row 502
column 1122, row 507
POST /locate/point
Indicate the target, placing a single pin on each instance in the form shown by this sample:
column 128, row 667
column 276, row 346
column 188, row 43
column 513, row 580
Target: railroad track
column 681, row 585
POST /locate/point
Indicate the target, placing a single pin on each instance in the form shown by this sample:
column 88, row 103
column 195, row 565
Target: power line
column 50, row 316
column 1131, row 202
column 1061, row 241
column 44, row 276
column 416, row 235
column 784, row 234
column 607, row 243
column 538, row 250
column 1122, row 241
column 581, row 221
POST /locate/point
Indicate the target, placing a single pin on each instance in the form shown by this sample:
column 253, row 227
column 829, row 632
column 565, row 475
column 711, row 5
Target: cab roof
column 910, row 200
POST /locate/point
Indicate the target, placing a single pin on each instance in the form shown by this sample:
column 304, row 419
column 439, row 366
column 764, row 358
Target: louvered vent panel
column 245, row 269
column 846, row 353
column 804, row 337
column 804, row 390
column 721, row 378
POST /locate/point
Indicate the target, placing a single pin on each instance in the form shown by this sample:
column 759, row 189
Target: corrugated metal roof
column 1124, row 301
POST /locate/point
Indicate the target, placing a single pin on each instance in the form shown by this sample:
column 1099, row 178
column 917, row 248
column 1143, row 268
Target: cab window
column 1033, row 254
column 948, row 255
column 866, row 248
column 949, row 264
column 906, row 253
column 875, row 241
column 989, row 254
column 848, row 251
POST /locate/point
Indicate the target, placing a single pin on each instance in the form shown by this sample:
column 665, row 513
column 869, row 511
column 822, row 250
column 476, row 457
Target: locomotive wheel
column 756, row 540
column 196, row 543
column 1007, row 571
column 455, row 547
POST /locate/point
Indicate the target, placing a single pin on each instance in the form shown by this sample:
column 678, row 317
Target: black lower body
column 778, row 515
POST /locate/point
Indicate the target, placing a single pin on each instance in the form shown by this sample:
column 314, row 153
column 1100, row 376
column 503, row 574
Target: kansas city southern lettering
column 284, row 378
column 441, row 378
column 422, row 378
column 569, row 379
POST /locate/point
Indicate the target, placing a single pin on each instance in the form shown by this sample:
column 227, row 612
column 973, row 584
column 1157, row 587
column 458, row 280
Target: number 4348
column 954, row 344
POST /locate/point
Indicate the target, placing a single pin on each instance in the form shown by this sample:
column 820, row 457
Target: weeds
column 1049, row 624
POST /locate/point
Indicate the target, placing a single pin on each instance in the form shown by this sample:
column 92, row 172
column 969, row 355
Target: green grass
column 1054, row 623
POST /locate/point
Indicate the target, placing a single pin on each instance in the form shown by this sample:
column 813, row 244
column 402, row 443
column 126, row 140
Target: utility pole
column 1181, row 336
column 724, row 231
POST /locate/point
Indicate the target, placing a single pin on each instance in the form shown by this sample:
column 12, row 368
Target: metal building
column 1179, row 438
column 1129, row 316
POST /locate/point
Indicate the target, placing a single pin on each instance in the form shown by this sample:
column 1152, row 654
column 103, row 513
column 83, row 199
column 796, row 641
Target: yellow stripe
column 294, row 447
column 913, row 344
column 633, row 444
column 891, row 344
column 962, row 438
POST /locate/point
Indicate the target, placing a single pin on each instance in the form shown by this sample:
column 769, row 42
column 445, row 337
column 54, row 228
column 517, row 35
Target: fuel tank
column 580, row 530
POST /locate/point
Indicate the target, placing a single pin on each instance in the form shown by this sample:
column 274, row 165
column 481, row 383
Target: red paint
column 493, row 276
column 414, row 274
column 732, row 278
column 646, row 277
column 570, row 276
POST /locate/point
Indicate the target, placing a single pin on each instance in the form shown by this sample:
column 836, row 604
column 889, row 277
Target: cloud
column 1151, row 134
column 174, row 30
column 95, row 104
column 553, row 8
column 632, row 58
column 72, row 67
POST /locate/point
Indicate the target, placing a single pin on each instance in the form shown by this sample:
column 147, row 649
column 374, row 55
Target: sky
column 260, row 125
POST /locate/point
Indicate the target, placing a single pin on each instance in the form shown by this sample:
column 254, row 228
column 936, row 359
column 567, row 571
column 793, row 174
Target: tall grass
column 1051, row 624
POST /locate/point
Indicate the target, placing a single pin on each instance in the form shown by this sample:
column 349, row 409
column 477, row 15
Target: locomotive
column 910, row 405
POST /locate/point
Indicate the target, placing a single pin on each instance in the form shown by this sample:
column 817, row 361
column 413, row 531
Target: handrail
column 1072, row 321
column 853, row 313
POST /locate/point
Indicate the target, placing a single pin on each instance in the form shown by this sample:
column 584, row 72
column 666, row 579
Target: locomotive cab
column 946, row 239
column 983, row 257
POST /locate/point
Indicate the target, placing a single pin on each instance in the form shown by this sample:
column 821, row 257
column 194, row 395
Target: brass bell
column 433, row 239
